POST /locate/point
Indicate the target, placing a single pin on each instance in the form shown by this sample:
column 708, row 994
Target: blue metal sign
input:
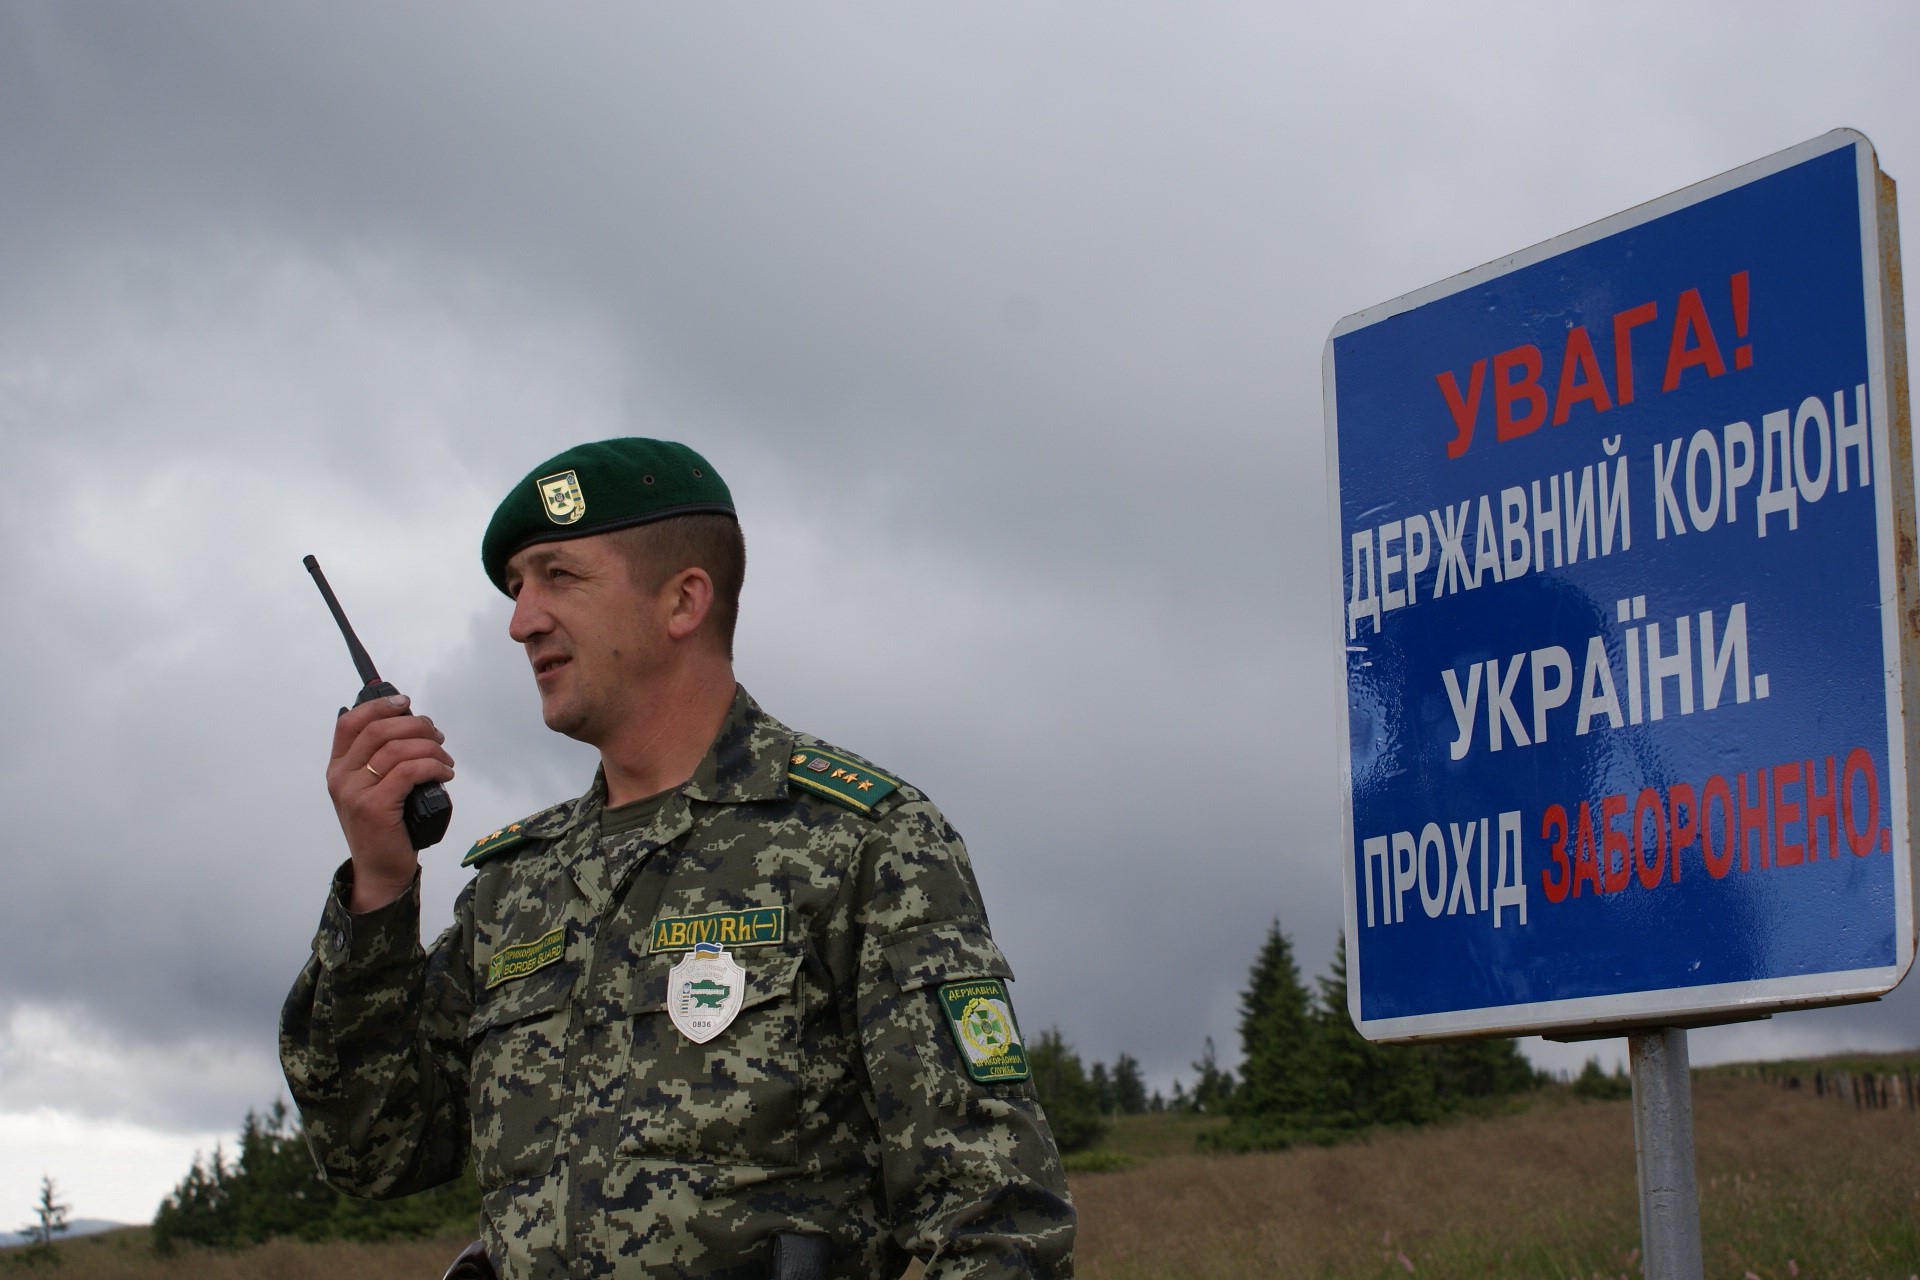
column 1626, row 621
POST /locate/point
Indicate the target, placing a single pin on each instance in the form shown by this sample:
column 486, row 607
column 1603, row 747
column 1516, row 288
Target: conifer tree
column 279, row 1188
column 1066, row 1095
column 1213, row 1091
column 1282, row 1080
column 49, row 1220
column 1367, row 1083
column 1470, row 1069
column 1595, row 1083
column 274, row 1189
column 1102, row 1086
column 1129, row 1090
column 200, row 1210
column 1308, row 1073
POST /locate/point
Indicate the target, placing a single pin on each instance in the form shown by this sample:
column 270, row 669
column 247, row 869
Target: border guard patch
column 981, row 1017
column 494, row 842
column 838, row 778
column 523, row 958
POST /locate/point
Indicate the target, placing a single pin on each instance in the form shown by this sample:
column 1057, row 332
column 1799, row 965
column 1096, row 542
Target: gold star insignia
column 838, row 773
column 866, row 786
column 799, row 757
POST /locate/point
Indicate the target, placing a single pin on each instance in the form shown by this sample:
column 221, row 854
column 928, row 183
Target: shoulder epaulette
column 495, row 843
column 544, row 825
column 853, row 784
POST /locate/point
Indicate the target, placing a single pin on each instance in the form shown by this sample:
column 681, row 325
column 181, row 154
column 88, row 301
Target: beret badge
column 560, row 494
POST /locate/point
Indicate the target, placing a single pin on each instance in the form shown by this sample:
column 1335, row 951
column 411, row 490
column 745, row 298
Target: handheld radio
column 428, row 808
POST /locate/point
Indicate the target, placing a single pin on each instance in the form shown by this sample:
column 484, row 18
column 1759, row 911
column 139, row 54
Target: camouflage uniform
column 607, row 1143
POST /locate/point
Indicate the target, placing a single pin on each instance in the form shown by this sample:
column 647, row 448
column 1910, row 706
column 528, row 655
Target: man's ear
column 689, row 600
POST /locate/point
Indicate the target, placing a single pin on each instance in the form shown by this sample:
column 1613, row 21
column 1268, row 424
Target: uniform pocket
column 735, row 1099
column 945, row 952
column 518, row 1035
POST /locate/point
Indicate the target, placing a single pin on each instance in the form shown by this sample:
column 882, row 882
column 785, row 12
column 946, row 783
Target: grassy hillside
column 1791, row 1186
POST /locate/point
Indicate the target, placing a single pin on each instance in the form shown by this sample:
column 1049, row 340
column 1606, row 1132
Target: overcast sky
column 1004, row 322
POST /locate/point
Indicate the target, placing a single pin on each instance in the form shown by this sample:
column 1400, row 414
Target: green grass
column 1147, row 1137
column 1099, row 1160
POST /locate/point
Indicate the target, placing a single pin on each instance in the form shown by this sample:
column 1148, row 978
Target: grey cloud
column 1005, row 325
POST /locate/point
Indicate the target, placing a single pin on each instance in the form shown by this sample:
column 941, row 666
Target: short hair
column 659, row 549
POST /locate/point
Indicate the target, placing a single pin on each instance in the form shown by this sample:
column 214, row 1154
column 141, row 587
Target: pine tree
column 278, row 1186
column 1466, row 1070
column 1129, row 1090
column 200, row 1210
column 49, row 1220
column 1213, row 1091
column 1595, row 1083
column 1367, row 1084
column 274, row 1189
column 1066, row 1095
column 1282, row 1080
column 1102, row 1086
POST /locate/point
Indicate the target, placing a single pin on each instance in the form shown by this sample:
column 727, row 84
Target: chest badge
column 704, row 992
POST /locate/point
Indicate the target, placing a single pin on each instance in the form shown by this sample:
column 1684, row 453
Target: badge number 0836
column 704, row 992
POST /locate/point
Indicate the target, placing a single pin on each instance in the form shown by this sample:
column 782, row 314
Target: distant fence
column 1866, row 1090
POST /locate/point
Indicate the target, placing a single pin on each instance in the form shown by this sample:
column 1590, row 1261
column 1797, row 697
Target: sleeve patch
column 524, row 958
column 838, row 778
column 494, row 842
column 981, row 1018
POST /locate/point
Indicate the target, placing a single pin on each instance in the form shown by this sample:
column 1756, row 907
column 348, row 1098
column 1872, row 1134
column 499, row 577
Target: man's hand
column 379, row 754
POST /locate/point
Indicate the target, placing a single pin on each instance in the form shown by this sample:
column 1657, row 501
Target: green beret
column 594, row 488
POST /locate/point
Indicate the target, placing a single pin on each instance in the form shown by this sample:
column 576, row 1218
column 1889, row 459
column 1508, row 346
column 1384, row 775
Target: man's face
column 593, row 636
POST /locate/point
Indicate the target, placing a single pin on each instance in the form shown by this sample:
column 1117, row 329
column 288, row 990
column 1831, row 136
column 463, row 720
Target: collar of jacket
column 748, row 758
column 747, row 761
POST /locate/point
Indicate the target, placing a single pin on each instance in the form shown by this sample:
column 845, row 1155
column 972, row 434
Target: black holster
column 472, row 1264
column 799, row 1257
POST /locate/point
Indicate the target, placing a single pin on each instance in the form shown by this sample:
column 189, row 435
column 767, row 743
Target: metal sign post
column 1629, row 641
column 1663, row 1147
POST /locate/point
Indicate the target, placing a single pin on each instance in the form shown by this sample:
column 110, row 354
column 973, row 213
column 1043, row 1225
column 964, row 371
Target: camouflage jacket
column 859, row 1090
